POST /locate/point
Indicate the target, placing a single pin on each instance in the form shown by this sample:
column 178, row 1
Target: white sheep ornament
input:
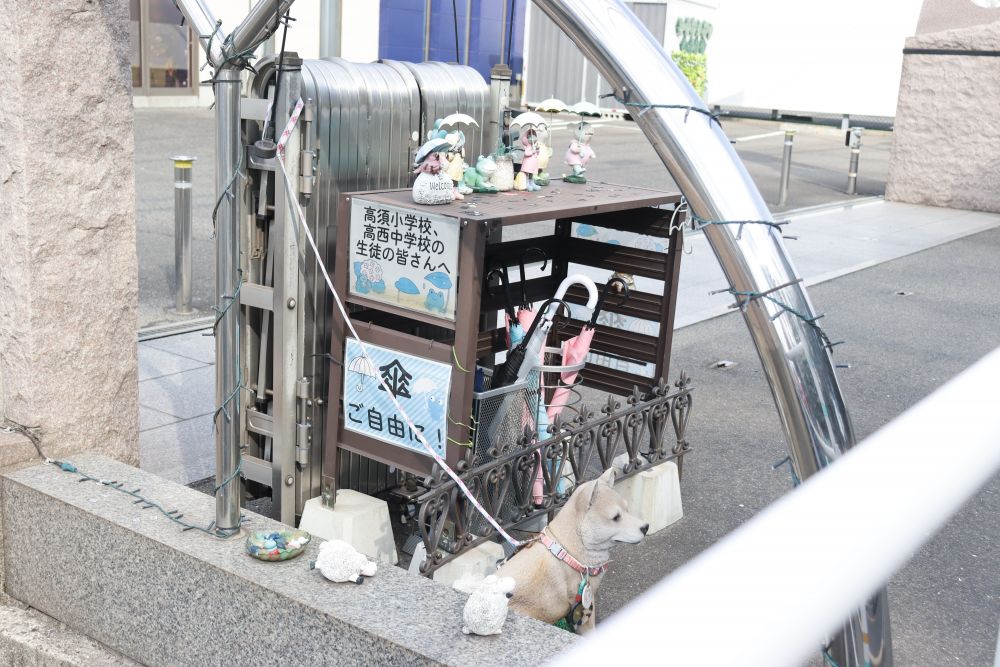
column 486, row 609
column 339, row 561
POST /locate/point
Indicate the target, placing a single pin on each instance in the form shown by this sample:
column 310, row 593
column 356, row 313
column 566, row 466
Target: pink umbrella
column 575, row 350
column 526, row 312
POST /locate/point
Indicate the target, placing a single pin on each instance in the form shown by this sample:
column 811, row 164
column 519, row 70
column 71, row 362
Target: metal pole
column 786, row 168
column 854, row 141
column 330, row 22
column 227, row 373
column 182, row 232
column 708, row 171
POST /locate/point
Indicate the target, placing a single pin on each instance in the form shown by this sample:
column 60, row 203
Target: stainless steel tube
column 228, row 150
column 717, row 186
column 203, row 22
column 182, row 232
column 259, row 24
column 786, row 168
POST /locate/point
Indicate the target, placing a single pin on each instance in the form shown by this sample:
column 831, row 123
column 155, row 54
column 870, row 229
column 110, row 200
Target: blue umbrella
column 442, row 281
column 586, row 230
column 405, row 286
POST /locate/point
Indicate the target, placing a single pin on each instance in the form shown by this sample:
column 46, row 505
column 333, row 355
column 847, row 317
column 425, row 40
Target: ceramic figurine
column 503, row 177
column 338, row 561
column 544, row 154
column 529, row 166
column 456, row 163
column 477, row 179
column 486, row 609
column 579, row 152
column 432, row 185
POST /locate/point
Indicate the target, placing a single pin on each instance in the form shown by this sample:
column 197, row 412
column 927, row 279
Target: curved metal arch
column 717, row 186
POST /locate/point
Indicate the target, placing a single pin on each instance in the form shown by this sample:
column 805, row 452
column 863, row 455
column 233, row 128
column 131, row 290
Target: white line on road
column 758, row 136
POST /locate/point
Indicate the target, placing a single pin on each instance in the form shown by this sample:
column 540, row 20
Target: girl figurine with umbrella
column 579, row 152
column 529, row 166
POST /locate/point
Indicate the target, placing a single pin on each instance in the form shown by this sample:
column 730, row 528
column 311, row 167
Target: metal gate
column 555, row 67
column 358, row 131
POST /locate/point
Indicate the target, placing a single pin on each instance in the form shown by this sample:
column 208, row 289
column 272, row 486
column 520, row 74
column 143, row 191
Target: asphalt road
column 945, row 602
column 818, row 176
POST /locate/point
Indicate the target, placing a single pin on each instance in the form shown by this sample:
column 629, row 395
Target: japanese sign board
column 420, row 385
column 404, row 257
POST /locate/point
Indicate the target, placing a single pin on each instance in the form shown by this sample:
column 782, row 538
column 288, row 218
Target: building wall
column 481, row 31
column 838, row 57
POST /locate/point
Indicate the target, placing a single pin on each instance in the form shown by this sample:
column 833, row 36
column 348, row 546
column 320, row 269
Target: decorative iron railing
column 537, row 477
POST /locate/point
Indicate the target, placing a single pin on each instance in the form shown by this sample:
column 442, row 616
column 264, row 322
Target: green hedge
column 695, row 68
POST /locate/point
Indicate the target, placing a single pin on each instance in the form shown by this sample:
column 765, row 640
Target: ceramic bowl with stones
column 274, row 545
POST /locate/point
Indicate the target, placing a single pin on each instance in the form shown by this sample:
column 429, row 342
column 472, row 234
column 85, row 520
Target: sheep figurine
column 486, row 609
column 339, row 561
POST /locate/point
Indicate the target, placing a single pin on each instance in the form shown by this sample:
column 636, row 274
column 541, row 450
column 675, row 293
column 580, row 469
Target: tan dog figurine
column 558, row 576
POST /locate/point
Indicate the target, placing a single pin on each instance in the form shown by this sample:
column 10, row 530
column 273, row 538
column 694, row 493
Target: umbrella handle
column 604, row 293
column 578, row 279
column 501, row 274
column 527, row 253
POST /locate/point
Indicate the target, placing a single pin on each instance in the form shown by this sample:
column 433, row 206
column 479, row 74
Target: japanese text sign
column 420, row 385
column 404, row 257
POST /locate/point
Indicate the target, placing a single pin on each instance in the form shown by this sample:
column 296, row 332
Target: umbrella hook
column 622, row 287
column 501, row 275
column 545, row 261
column 542, row 314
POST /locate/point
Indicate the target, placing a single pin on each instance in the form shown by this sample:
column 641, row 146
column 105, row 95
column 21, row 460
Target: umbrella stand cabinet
column 413, row 280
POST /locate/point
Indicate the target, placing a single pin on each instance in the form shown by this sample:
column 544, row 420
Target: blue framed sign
column 421, row 386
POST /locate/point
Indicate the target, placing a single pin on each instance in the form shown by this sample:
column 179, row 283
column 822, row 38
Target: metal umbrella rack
column 276, row 346
column 450, row 367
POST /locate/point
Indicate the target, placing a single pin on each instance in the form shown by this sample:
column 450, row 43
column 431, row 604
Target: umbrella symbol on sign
column 364, row 368
column 405, row 286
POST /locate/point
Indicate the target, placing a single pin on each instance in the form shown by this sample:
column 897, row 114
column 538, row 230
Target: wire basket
column 500, row 416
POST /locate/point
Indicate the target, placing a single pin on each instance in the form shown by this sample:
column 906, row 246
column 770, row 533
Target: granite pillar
column 946, row 139
column 68, row 274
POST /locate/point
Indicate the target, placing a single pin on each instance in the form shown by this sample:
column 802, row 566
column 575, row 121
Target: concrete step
column 131, row 579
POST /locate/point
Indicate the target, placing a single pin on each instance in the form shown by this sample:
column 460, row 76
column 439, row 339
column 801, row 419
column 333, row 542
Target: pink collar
column 559, row 552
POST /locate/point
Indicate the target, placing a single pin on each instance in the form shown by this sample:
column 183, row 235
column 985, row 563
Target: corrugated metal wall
column 365, row 115
column 556, row 68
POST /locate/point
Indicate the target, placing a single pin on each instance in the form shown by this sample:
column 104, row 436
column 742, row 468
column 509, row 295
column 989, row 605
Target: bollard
column 853, row 140
column 786, row 168
column 182, row 232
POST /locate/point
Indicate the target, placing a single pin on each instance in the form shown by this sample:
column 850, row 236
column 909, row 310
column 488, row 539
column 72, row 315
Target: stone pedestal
column 360, row 520
column 68, row 277
column 479, row 562
column 654, row 495
column 944, row 151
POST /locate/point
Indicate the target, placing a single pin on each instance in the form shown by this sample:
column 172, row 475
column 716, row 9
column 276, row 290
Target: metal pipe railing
column 225, row 55
column 260, row 23
column 756, row 598
column 708, row 171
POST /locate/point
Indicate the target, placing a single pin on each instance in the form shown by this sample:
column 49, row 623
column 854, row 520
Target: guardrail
column 769, row 593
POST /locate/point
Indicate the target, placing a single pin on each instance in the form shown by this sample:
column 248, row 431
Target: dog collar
column 559, row 552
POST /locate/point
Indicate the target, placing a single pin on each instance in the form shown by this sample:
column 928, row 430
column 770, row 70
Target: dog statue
column 558, row 576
